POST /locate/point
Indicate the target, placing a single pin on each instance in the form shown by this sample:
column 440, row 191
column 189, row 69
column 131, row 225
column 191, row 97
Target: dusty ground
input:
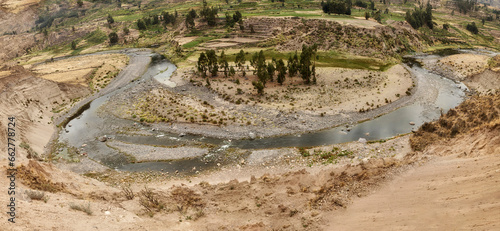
column 462, row 66
column 479, row 72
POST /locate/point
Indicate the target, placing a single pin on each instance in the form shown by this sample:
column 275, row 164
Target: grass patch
column 197, row 42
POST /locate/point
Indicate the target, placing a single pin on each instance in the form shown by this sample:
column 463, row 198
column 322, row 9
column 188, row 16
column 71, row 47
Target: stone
column 103, row 138
column 252, row 135
column 412, row 123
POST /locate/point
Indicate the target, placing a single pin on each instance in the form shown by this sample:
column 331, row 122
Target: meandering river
column 434, row 95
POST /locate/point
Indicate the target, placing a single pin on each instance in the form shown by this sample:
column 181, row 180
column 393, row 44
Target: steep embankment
column 33, row 102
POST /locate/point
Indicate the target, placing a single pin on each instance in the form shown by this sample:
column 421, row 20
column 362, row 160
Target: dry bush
column 186, row 198
column 82, row 208
column 127, row 192
column 150, row 201
column 36, row 195
column 34, row 176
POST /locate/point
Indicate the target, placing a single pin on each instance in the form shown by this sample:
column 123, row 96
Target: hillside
column 251, row 115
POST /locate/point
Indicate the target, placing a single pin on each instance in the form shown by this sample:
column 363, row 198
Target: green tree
column 306, row 65
column 240, row 60
column 141, row 25
column 337, row 7
column 79, row 3
column 224, row 64
column 280, row 67
column 73, row 45
column 293, row 64
column 202, row 64
column 237, row 16
column 213, row 67
column 189, row 21
column 472, row 28
column 367, row 15
column 259, row 86
column 270, row 71
column 113, row 38
column 110, row 19
column 232, row 72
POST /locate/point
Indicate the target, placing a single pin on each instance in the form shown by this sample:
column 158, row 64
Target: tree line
column 303, row 65
column 420, row 17
column 336, row 6
column 164, row 17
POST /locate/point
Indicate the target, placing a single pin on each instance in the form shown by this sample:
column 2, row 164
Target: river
column 434, row 95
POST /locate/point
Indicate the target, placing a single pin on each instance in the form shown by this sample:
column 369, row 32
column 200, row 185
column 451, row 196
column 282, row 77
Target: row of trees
column 266, row 71
column 420, row 17
column 232, row 20
column 337, row 6
column 465, row 6
column 165, row 18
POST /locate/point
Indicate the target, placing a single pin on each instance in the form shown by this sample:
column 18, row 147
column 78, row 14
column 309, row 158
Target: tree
column 232, row 72
column 79, row 3
column 371, row 6
column 240, row 60
column 270, row 71
column 472, row 28
column 213, row 67
column 420, row 17
column 293, row 63
column 193, row 14
column 259, row 86
column 113, row 38
column 337, row 7
column 305, row 64
column 126, row 30
column 237, row 16
column 110, row 19
column 73, row 45
column 141, row 25
column 280, row 67
column 189, row 21
column 202, row 64
column 224, row 64
column 378, row 16
column 367, row 15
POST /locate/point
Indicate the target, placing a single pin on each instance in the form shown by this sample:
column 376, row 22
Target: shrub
column 36, row 195
column 113, row 38
column 82, row 208
column 472, row 28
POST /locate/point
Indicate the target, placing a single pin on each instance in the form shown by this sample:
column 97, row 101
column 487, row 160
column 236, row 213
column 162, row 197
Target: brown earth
column 33, row 101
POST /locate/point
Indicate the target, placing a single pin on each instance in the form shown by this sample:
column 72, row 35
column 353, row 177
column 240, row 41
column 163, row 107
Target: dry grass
column 34, row 176
column 37, row 195
column 83, row 208
column 150, row 201
column 127, row 192
column 475, row 113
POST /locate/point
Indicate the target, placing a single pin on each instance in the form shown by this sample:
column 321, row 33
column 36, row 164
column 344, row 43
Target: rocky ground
column 221, row 111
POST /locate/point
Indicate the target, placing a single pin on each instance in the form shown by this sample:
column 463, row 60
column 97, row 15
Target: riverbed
column 432, row 95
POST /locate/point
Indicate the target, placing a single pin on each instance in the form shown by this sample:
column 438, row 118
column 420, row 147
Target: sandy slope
column 452, row 192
